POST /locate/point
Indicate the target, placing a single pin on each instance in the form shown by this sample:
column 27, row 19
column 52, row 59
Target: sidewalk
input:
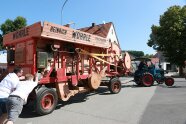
column 174, row 74
column 126, row 79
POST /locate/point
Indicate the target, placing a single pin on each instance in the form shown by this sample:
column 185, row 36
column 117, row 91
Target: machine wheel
column 147, row 79
column 169, row 81
column 94, row 81
column 115, row 85
column 137, row 80
column 46, row 101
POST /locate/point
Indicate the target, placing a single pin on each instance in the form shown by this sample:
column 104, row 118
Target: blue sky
column 132, row 18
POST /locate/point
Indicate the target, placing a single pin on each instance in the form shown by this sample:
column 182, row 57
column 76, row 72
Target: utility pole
column 62, row 10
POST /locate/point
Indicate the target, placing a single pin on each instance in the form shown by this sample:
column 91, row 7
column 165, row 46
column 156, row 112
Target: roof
column 100, row 30
column 160, row 55
column 154, row 60
column 157, row 55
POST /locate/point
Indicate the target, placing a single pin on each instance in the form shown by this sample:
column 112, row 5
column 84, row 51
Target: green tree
column 170, row 36
column 10, row 26
column 148, row 55
column 136, row 53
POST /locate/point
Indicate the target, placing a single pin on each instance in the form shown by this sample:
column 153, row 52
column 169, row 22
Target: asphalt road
column 167, row 106
column 158, row 104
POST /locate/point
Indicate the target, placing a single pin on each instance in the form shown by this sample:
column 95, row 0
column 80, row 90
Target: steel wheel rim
column 147, row 79
column 47, row 101
column 169, row 82
column 116, row 87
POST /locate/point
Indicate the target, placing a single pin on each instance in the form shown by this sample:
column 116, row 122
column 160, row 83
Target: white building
column 106, row 30
column 3, row 59
column 164, row 64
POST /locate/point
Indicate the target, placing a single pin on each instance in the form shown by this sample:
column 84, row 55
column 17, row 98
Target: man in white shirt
column 7, row 85
column 18, row 98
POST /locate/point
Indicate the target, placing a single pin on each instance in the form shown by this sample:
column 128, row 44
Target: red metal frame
column 61, row 74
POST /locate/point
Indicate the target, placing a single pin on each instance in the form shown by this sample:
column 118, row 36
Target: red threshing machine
column 68, row 62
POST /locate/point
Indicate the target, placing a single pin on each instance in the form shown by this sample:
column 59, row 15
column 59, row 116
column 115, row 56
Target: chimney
column 67, row 25
column 93, row 24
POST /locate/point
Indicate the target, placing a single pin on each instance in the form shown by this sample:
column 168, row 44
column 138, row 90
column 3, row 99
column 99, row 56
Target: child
column 18, row 98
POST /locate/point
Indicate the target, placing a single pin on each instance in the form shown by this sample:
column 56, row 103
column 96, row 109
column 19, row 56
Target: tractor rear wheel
column 46, row 101
column 114, row 85
column 169, row 81
column 137, row 80
column 147, row 79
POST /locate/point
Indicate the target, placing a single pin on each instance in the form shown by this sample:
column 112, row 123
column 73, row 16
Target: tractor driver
column 143, row 65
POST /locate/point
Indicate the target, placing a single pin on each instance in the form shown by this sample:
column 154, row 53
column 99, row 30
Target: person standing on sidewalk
column 18, row 98
column 7, row 85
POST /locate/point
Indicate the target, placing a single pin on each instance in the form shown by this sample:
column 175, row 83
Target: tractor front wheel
column 169, row 81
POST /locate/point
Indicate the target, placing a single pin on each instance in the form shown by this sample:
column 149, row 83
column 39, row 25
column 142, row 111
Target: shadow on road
column 28, row 110
column 164, row 86
column 137, row 86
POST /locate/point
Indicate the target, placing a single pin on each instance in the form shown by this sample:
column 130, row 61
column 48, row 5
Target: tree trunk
column 181, row 71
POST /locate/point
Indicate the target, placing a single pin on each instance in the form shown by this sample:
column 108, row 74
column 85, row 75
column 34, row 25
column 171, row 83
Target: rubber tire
column 40, row 95
column 169, row 81
column 147, row 77
column 114, row 85
column 137, row 80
